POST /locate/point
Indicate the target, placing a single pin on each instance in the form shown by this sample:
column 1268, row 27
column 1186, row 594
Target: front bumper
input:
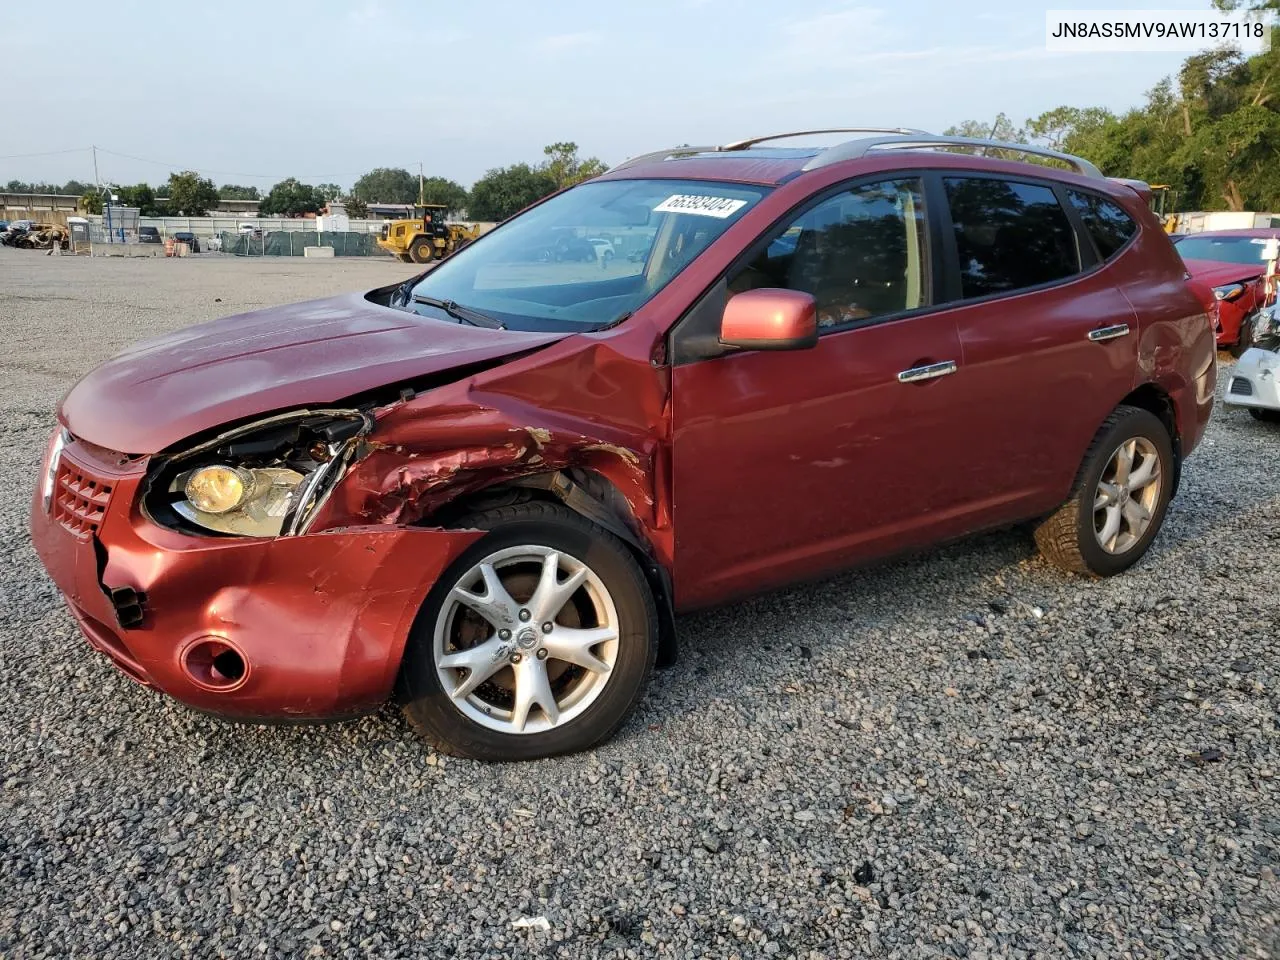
column 1254, row 381
column 320, row 621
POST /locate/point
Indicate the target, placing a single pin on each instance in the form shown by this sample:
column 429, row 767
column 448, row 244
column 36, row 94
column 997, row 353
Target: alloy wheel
column 526, row 640
column 1127, row 495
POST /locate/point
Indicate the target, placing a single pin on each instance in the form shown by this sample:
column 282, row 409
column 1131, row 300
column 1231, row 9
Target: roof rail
column 663, row 155
column 855, row 149
column 747, row 144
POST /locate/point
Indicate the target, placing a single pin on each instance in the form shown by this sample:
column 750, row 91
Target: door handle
column 927, row 372
column 1109, row 333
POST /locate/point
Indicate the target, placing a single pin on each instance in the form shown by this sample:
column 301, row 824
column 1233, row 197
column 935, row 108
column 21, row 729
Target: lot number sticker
column 719, row 207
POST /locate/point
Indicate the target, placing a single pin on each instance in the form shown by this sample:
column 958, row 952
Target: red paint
column 1228, row 314
column 738, row 474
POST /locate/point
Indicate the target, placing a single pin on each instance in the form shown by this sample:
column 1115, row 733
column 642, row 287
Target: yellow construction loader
column 426, row 236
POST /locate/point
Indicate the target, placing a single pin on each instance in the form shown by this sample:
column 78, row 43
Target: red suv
column 486, row 491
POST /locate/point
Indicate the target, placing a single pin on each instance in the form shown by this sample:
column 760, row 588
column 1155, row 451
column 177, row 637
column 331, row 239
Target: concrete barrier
column 317, row 251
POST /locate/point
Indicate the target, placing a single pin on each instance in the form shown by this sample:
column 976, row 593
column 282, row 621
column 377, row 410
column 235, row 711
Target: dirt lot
column 966, row 754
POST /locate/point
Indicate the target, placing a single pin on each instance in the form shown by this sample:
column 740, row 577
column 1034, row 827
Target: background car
column 148, row 235
column 1228, row 273
column 604, row 248
column 189, row 238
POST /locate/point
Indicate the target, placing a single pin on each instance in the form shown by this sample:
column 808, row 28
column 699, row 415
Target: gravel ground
column 966, row 754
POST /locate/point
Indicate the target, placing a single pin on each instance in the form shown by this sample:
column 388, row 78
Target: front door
column 789, row 465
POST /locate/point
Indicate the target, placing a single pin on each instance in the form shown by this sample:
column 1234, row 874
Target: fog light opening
column 214, row 664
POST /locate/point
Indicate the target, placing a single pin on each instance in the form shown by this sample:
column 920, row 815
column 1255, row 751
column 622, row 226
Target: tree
column 505, row 191
column 74, row 188
column 327, row 192
column 356, row 208
column 91, row 201
column 387, row 185
column 290, row 198
column 565, row 167
column 233, row 191
column 191, row 195
column 140, row 196
column 441, row 190
column 1002, row 128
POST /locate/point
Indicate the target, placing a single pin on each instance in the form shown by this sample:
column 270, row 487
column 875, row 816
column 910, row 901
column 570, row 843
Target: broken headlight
column 267, row 479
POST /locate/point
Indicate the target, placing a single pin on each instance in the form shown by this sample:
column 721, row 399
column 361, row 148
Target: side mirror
column 770, row 319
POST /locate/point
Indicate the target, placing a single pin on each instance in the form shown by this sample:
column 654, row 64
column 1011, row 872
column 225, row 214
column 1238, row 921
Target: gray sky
column 254, row 92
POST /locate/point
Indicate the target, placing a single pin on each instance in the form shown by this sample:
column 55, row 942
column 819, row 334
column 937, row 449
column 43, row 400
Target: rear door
column 1049, row 341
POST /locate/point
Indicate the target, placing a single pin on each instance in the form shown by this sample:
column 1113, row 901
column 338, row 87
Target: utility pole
column 96, row 180
column 422, row 197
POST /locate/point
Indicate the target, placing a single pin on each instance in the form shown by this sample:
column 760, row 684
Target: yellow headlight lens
column 219, row 489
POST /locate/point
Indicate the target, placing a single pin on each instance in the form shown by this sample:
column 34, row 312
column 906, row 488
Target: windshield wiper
column 459, row 312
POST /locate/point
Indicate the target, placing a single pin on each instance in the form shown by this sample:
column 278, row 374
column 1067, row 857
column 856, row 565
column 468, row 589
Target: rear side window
column 1009, row 235
column 1106, row 221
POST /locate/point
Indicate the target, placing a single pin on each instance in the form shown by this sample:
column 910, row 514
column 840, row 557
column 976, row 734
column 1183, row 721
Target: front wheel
column 537, row 641
column 1266, row 416
column 421, row 250
column 1120, row 497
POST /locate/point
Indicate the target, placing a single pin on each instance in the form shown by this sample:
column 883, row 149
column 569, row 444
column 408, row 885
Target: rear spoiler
column 1140, row 187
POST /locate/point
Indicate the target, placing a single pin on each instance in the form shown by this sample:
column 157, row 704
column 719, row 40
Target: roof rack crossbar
column 855, row 149
column 747, row 144
column 663, row 155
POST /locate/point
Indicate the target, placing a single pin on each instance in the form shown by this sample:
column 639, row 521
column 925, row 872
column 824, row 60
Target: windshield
column 588, row 257
column 1224, row 249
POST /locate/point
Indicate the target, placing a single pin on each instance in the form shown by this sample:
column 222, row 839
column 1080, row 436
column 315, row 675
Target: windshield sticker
column 719, row 207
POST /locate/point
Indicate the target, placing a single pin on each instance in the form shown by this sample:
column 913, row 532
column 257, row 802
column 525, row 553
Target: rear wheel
column 1119, row 501
column 1266, row 416
column 421, row 250
column 537, row 641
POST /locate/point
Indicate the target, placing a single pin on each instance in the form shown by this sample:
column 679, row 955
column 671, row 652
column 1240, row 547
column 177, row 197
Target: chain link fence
column 292, row 243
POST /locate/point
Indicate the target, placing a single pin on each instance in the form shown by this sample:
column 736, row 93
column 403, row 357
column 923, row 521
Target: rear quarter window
column 1009, row 235
column 1108, row 224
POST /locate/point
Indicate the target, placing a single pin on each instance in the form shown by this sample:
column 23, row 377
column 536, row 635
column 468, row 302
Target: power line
column 45, row 153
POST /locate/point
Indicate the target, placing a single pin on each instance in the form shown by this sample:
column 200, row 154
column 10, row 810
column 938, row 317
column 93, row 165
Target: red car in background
column 1228, row 273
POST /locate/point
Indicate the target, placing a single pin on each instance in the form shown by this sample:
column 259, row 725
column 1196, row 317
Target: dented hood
column 163, row 390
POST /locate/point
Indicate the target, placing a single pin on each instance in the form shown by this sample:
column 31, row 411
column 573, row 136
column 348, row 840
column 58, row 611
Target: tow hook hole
column 213, row 664
column 229, row 664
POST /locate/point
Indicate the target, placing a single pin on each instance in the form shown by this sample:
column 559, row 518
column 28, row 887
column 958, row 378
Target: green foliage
column 1212, row 133
column 441, row 190
column 140, row 196
column 505, row 191
column 387, row 185
column 191, row 195
column 233, row 191
column 565, row 167
column 326, row 192
column 290, row 198
column 91, row 201
column 356, row 208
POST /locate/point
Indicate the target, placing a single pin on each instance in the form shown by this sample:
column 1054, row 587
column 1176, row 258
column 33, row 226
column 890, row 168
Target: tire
column 1266, row 416
column 1070, row 538
column 1245, row 339
column 482, row 723
column 421, row 250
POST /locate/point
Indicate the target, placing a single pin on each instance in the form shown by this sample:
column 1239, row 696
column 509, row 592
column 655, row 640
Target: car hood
column 163, row 390
column 1215, row 272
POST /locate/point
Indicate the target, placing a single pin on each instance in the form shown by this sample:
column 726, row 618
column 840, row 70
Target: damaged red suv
column 485, row 492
